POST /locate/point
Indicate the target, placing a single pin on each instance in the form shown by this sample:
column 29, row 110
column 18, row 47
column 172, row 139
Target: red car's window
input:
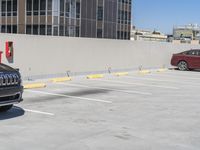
column 193, row 52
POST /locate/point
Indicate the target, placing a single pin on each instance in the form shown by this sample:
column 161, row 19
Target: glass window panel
column 61, row 32
column 42, row 7
column 99, row 33
column 62, row 4
column 29, row 7
column 67, row 7
column 49, row 7
column 14, row 28
column 49, row 30
column 9, row 30
column 28, row 29
column 35, row 29
column 9, row 8
column 77, row 9
column 35, row 6
column 42, row 29
column 100, row 13
column 77, row 32
column 55, row 30
column 14, row 5
column 3, row 29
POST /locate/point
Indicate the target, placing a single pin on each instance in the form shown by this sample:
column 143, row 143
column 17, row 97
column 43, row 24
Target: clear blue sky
column 162, row 15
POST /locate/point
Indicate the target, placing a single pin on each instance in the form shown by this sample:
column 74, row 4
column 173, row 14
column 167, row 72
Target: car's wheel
column 5, row 108
column 183, row 66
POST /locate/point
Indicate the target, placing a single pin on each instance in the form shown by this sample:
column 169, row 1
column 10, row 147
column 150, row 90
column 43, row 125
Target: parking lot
column 156, row 111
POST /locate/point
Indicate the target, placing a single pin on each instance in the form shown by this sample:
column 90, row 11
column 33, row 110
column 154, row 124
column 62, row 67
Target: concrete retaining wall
column 39, row 56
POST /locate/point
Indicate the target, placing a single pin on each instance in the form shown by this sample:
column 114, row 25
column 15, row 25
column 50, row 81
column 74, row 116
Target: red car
column 187, row 60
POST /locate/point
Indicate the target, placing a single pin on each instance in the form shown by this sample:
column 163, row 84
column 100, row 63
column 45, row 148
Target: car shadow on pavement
column 12, row 113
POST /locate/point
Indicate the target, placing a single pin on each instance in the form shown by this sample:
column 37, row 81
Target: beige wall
column 44, row 55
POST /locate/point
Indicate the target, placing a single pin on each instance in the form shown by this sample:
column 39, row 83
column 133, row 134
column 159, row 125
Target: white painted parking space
column 109, row 110
column 69, row 96
column 111, row 89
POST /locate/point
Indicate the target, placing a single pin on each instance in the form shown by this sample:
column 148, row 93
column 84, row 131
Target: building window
column 9, row 30
column 78, row 9
column 9, row 8
column 49, row 30
column 29, row 7
column 77, row 32
column 14, row 7
column 28, row 29
column 55, row 30
column 42, row 7
column 3, row 8
column 99, row 33
column 35, row 7
column 42, row 29
column 49, row 7
column 100, row 13
column 3, row 29
column 61, row 30
column 67, row 7
column 118, row 34
column 14, row 29
column 35, row 29
column 66, row 30
column 62, row 4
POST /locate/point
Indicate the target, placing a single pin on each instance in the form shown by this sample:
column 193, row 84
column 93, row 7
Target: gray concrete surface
column 159, row 111
column 41, row 56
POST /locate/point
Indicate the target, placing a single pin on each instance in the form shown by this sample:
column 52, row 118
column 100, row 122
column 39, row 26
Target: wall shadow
column 12, row 113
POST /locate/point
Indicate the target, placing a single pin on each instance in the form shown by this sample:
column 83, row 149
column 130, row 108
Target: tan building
column 147, row 35
column 186, row 33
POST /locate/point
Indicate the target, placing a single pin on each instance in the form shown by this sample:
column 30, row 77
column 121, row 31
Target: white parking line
column 139, row 84
column 69, row 96
column 102, row 88
column 37, row 111
column 150, row 79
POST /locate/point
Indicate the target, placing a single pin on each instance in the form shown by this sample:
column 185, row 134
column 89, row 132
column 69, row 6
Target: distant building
column 146, row 35
column 187, row 34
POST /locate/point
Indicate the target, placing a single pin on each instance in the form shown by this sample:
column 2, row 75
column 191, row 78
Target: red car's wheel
column 183, row 66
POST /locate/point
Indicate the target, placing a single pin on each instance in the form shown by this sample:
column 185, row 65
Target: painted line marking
column 102, row 88
column 140, row 84
column 39, row 112
column 150, row 79
column 36, row 111
column 69, row 96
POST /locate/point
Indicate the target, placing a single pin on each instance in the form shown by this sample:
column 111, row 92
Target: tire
column 5, row 108
column 183, row 66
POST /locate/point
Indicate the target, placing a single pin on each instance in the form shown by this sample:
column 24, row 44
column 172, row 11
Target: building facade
column 74, row 18
column 187, row 32
column 147, row 35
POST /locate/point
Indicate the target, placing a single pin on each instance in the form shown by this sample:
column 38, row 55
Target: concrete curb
column 34, row 85
column 95, row 76
column 161, row 70
column 63, row 79
column 120, row 74
column 142, row 72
